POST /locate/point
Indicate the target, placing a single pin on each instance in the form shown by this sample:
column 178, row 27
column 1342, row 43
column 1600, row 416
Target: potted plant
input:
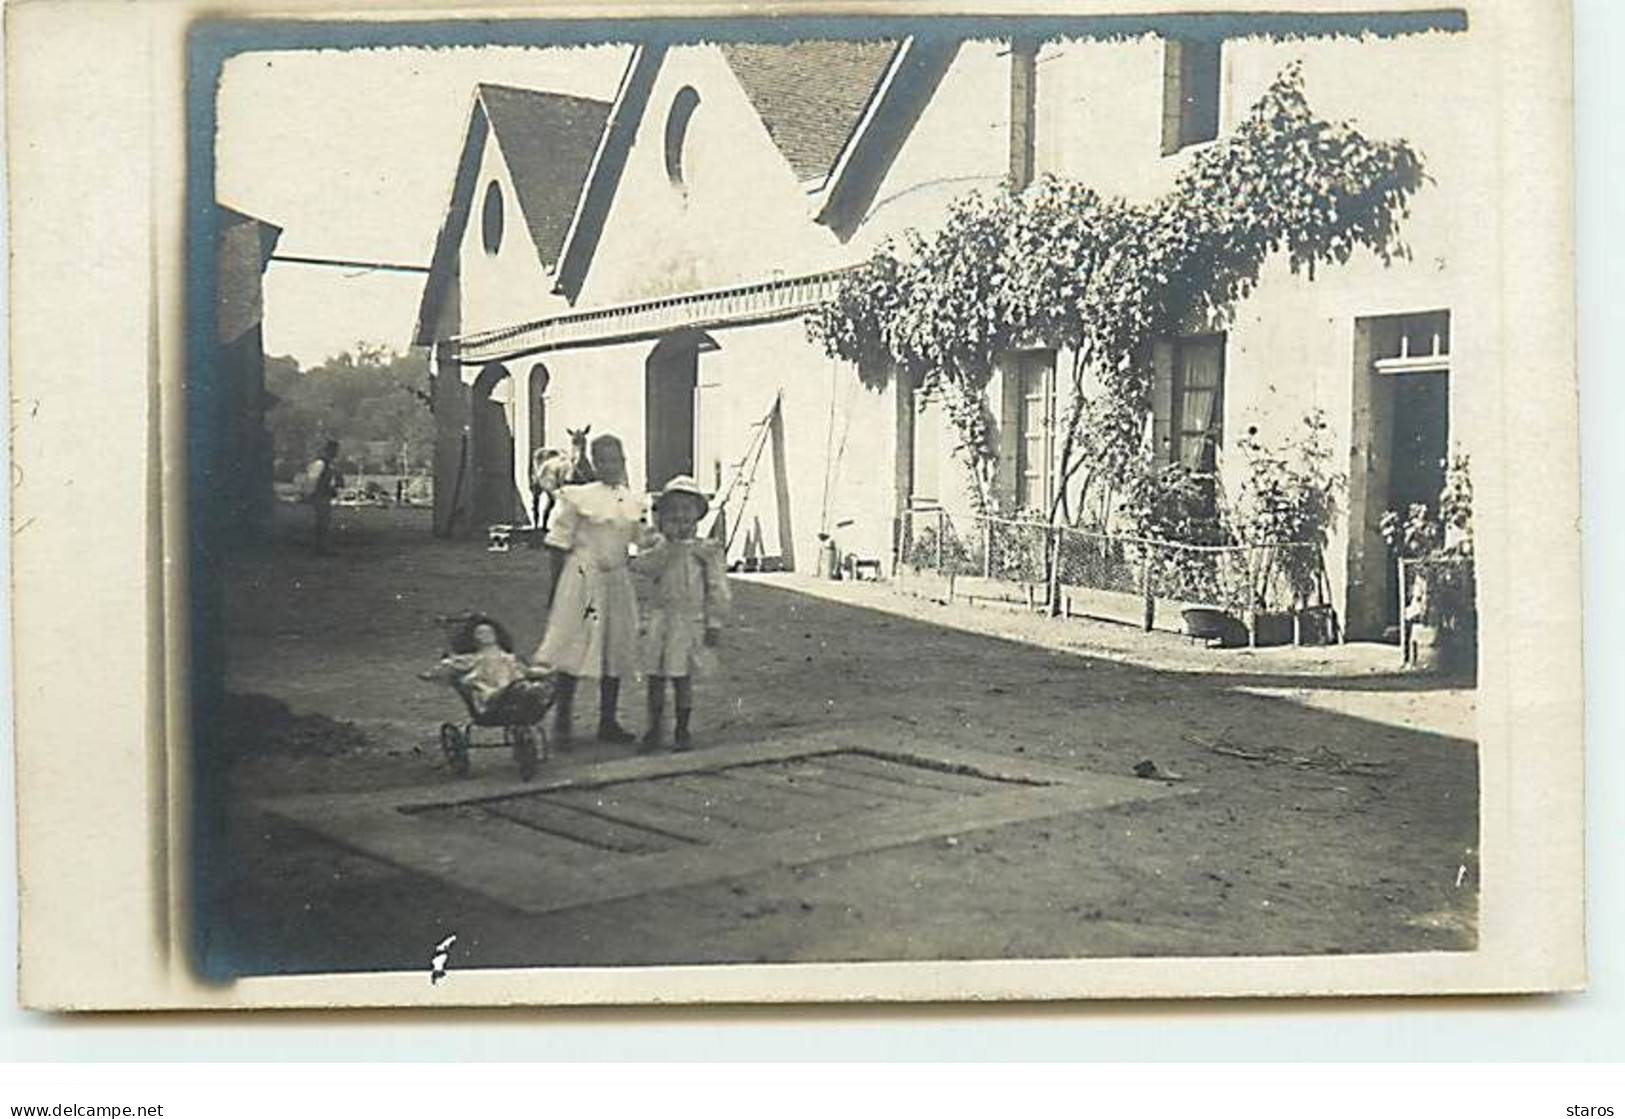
column 1285, row 508
column 1177, row 513
column 1433, row 546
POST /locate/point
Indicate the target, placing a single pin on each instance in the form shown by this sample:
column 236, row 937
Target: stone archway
column 539, row 379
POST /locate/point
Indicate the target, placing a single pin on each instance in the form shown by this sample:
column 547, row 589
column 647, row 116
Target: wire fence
column 1032, row 561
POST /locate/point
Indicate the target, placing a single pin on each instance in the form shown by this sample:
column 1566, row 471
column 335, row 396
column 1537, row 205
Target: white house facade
column 647, row 265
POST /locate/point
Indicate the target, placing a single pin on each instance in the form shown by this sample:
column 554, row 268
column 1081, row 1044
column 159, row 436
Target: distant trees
column 371, row 399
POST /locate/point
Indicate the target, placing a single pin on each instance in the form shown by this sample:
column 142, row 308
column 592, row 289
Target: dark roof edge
column 445, row 241
column 907, row 88
column 531, row 91
column 870, row 107
column 494, row 135
column 604, row 174
column 270, row 231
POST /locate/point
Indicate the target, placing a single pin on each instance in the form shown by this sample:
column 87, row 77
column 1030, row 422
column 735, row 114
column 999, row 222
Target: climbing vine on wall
column 1060, row 265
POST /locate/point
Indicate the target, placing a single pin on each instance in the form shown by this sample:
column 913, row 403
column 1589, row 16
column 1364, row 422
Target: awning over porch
column 759, row 302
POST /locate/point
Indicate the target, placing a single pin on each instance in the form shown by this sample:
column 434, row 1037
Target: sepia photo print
column 912, row 489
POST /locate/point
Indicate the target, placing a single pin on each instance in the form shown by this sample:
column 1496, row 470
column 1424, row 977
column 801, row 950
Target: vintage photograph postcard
column 607, row 506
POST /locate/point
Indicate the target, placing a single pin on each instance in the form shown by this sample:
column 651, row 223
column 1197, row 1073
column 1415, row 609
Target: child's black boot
column 564, row 712
column 609, row 696
column 657, row 709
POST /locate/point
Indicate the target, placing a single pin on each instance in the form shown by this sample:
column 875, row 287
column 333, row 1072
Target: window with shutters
column 925, row 469
column 1034, row 372
column 1190, row 93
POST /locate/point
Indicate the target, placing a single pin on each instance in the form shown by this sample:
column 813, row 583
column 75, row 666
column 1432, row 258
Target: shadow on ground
column 1355, row 830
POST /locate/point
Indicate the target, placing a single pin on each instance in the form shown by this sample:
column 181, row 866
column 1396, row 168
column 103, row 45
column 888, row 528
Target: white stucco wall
column 1422, row 89
column 603, row 387
column 960, row 143
column 743, row 217
column 738, row 381
column 1290, row 345
column 510, row 286
column 1098, row 115
column 1099, row 120
column 839, row 449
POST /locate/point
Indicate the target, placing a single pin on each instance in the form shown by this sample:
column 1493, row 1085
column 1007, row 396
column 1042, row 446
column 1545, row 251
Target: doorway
column 1421, row 442
column 1400, row 444
column 671, row 414
column 925, row 461
column 1420, row 406
column 539, row 379
column 492, row 449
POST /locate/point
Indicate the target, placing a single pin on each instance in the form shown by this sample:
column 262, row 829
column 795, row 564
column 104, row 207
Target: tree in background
column 370, row 399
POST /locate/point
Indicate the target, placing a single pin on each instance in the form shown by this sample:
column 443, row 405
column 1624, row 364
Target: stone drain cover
column 592, row 833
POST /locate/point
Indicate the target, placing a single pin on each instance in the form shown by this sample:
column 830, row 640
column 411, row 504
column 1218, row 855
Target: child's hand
column 713, row 637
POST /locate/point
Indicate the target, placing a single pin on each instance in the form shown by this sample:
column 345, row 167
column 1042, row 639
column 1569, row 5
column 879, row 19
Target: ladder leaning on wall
column 745, row 473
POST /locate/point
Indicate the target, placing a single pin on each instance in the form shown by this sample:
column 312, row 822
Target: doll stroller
column 520, row 725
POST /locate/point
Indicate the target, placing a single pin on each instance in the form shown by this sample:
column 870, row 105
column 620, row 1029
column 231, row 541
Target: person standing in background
column 322, row 484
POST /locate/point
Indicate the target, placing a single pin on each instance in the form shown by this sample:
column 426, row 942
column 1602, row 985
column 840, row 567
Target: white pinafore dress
column 592, row 629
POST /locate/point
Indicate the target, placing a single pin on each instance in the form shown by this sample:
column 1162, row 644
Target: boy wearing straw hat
column 684, row 585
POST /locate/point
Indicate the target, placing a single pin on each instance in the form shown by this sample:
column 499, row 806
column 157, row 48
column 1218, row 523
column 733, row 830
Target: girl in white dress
column 685, row 600
column 592, row 626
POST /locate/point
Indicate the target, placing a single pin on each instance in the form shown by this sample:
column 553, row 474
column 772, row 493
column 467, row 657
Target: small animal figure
column 438, row 962
column 581, row 471
column 552, row 469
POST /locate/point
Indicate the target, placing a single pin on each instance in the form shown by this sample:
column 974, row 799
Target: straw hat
column 686, row 485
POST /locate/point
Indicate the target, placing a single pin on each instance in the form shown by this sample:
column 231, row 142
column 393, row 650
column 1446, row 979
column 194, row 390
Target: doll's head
column 480, row 632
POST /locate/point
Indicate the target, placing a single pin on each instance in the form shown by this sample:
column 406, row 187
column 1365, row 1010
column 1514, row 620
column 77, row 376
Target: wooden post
column 1052, row 570
column 1404, row 621
column 987, row 547
column 942, row 530
column 1145, row 589
column 781, row 485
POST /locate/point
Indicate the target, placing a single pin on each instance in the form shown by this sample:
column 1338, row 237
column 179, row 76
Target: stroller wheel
column 524, row 751
column 454, row 744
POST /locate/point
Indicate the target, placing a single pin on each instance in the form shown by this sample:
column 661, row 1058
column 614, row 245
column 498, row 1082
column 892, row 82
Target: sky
column 352, row 153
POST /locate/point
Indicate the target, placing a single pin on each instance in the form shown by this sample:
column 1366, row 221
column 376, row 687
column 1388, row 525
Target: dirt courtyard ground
column 1331, row 802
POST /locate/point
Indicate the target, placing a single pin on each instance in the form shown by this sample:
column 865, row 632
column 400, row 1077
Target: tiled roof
column 810, row 95
column 548, row 141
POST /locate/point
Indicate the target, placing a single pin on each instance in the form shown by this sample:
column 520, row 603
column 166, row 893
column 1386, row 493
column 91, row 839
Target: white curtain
column 1201, row 374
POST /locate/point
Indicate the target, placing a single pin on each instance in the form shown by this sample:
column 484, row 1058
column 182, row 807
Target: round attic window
column 491, row 218
column 682, row 111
